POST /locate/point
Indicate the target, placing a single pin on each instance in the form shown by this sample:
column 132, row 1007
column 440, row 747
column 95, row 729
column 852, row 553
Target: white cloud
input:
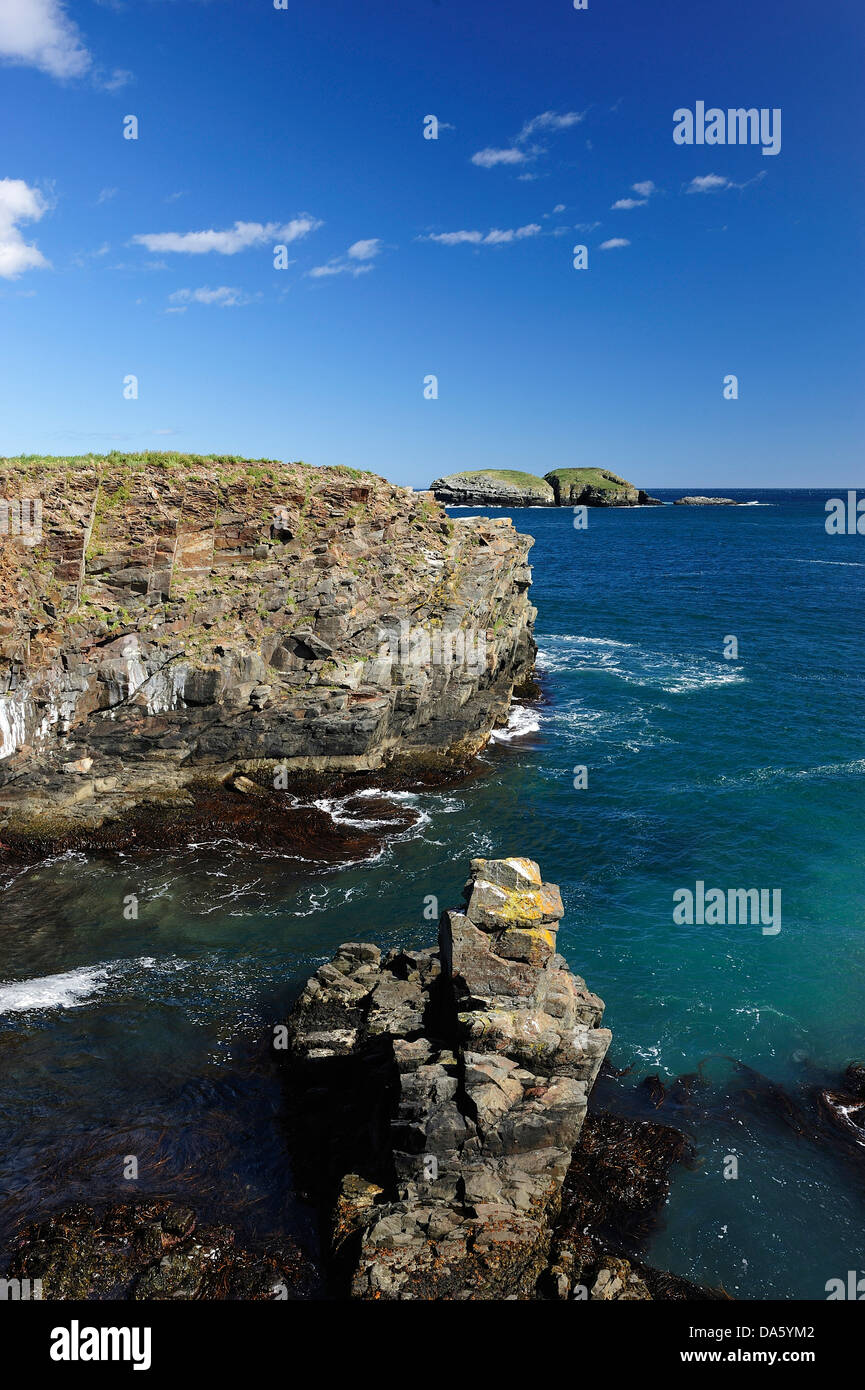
column 550, row 120
column 519, row 152
column 240, row 237
column 487, row 159
column 39, row 34
column 707, row 183
column 356, row 261
column 495, row 237
column 120, row 77
column 644, row 190
column 713, row 183
column 19, row 203
column 614, row 242
column 365, row 250
column 338, row 267
column 225, row 297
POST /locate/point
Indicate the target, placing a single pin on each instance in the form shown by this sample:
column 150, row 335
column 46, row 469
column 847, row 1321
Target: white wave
column 846, row 564
column 521, row 721
column 71, row 988
column 64, row 991
column 674, row 675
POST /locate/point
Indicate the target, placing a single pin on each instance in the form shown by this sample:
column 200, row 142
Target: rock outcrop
column 493, row 487
column 440, row 1093
column 175, row 619
column 151, row 1250
column 596, row 487
column 705, row 502
column 564, row 487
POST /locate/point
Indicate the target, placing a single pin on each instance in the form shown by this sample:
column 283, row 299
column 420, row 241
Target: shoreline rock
column 152, row 1250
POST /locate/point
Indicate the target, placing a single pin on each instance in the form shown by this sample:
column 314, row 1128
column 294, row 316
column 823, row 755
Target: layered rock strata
column 171, row 620
column 443, row 1091
column 494, row 487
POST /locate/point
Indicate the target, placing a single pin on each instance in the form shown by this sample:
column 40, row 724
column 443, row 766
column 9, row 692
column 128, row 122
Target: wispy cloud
column 644, row 190
column 549, row 120
column 495, row 237
column 240, row 237
column 356, row 261
column 520, row 151
column 225, row 297
column 489, row 158
column 19, row 203
column 614, row 243
column 40, row 34
column 714, row 183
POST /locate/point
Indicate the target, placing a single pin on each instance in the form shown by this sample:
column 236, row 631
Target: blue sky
column 304, row 127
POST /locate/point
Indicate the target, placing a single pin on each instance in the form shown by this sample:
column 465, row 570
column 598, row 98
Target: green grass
column 600, row 478
column 503, row 475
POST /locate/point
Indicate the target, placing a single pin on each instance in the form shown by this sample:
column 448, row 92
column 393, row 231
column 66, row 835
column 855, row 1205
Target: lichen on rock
column 443, row 1091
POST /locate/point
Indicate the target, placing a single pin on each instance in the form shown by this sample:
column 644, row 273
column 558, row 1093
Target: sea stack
column 440, row 1094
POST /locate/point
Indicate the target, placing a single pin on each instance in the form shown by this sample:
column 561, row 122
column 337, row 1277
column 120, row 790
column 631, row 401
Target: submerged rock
column 152, row 1250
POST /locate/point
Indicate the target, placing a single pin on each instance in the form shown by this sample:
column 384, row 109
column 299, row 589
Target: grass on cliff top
column 503, row 475
column 233, row 465
column 600, row 478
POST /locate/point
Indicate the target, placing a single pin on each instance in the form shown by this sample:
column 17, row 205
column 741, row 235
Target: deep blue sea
column 148, row 1037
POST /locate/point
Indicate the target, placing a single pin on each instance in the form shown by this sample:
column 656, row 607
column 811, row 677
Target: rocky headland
column 563, row 487
column 174, row 630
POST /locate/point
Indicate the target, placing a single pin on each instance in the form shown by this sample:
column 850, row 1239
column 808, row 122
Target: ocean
column 735, row 764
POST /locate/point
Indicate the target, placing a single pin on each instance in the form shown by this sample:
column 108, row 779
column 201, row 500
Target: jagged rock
column 482, row 1063
column 179, row 622
column 152, row 1250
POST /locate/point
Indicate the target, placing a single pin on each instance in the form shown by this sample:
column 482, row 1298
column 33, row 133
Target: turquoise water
column 148, row 1037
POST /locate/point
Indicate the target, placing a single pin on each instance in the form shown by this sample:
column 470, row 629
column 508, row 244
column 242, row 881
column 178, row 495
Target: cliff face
column 505, row 487
column 165, row 619
column 596, row 487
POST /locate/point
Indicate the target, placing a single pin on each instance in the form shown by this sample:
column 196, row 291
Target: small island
column 563, row 487
column 706, row 502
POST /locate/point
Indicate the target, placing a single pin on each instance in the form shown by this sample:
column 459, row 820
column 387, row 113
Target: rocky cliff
column 440, row 1093
column 564, row 487
column 596, row 487
column 493, row 487
column 170, row 621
